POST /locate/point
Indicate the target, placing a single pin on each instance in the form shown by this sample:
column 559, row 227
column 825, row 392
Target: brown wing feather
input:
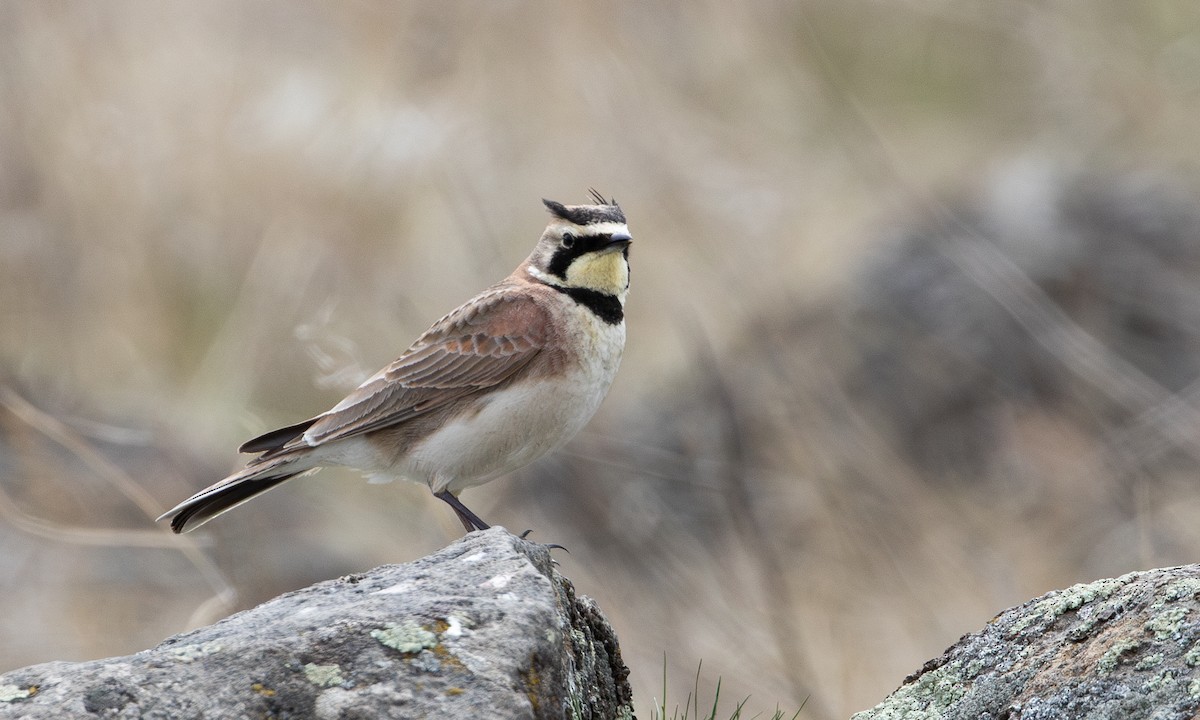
column 477, row 346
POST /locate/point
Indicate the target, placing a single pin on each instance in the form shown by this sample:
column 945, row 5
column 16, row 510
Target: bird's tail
column 259, row 477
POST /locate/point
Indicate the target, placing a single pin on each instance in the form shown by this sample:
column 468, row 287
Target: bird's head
column 584, row 246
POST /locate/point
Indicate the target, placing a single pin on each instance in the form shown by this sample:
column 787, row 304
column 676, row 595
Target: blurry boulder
column 1117, row 648
column 1014, row 299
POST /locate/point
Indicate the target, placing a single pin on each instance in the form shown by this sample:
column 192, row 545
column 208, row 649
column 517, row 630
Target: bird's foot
column 552, row 546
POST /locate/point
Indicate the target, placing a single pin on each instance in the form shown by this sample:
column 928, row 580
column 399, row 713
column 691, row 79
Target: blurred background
column 914, row 331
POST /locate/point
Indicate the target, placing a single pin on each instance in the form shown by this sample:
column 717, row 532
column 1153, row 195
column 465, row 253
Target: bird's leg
column 470, row 520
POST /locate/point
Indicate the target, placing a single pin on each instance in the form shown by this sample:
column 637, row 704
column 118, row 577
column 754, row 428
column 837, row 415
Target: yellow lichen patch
column 454, row 691
column 532, row 680
column 446, row 657
column 262, row 690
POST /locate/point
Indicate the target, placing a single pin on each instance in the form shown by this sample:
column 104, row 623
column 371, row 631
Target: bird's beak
column 618, row 241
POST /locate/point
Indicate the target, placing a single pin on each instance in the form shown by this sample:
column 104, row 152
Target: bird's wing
column 478, row 346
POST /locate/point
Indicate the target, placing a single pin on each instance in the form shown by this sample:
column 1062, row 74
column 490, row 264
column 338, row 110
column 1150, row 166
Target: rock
column 1124, row 648
column 483, row 628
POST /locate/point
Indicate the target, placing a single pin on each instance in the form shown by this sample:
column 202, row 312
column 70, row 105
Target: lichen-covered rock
column 1126, row 648
column 483, row 628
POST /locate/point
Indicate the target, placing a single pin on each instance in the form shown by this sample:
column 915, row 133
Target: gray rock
column 483, row 628
column 1126, row 649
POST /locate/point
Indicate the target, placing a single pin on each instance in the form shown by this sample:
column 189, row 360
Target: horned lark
column 510, row 375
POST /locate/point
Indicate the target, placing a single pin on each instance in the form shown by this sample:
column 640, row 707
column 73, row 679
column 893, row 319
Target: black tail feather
column 276, row 439
column 205, row 507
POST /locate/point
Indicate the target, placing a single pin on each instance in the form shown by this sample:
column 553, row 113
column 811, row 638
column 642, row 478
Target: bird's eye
column 568, row 240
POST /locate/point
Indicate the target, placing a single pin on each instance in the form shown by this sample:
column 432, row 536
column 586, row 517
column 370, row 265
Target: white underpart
column 521, row 423
column 514, row 427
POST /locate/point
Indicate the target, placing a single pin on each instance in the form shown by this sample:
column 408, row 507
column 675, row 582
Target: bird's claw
column 549, row 546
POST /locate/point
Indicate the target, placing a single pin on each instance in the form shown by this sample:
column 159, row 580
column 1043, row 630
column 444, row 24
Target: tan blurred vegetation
column 913, row 333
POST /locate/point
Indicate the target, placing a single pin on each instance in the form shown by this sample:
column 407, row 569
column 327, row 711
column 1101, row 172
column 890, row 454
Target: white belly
column 511, row 427
column 519, row 424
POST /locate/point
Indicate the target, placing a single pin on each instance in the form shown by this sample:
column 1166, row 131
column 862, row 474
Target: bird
column 508, row 376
